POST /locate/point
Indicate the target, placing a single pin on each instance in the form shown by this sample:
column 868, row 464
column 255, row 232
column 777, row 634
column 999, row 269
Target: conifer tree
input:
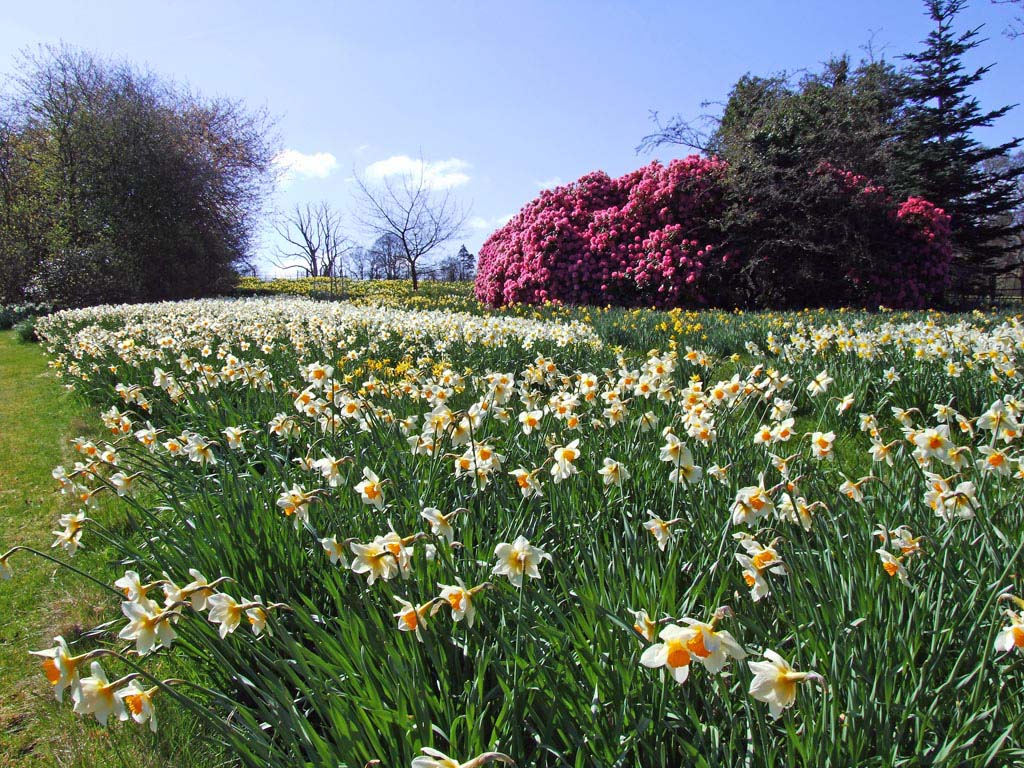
column 939, row 159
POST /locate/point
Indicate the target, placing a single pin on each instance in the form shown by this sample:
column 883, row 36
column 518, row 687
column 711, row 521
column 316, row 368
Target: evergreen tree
column 938, row 159
column 467, row 264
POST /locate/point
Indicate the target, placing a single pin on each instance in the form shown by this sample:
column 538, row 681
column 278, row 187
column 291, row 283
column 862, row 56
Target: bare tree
column 313, row 240
column 358, row 262
column 417, row 217
column 1015, row 28
column 387, row 259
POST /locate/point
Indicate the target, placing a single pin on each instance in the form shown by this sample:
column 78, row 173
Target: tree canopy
column 116, row 185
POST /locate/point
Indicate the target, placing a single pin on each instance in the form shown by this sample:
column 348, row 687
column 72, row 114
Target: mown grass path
column 37, row 420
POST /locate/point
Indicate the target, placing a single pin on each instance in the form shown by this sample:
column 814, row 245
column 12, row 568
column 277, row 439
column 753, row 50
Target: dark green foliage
column 10, row 314
column 938, row 158
column 118, row 186
column 25, row 330
column 800, row 235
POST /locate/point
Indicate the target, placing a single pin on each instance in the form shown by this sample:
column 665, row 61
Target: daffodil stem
column 515, row 654
column 71, row 568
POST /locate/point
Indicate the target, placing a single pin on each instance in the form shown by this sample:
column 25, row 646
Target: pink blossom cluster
column 638, row 240
column 912, row 268
column 646, row 239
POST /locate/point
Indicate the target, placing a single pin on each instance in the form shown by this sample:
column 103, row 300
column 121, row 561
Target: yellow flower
column 138, row 702
column 96, row 695
column 60, row 666
column 518, row 559
column 432, row 758
column 613, row 472
column 370, row 489
column 775, row 682
column 673, row 652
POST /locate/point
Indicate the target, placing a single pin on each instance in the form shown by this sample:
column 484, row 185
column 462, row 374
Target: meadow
column 425, row 533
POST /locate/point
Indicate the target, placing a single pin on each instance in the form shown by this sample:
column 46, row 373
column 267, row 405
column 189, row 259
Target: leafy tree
column 118, row 186
column 939, row 159
column 800, row 235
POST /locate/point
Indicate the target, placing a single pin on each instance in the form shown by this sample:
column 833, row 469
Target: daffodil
column 613, row 473
column 528, row 482
column 440, row 524
column 70, row 538
column 713, row 647
column 460, row 599
column 375, row 560
column 335, row 550
column 256, row 613
column 138, row 703
column 518, row 559
column 758, row 561
column 644, row 626
column 411, row 618
column 226, row 611
column 775, row 682
column 96, row 695
column 60, row 667
column 822, row 444
column 751, row 504
column 148, row 626
column 660, row 529
column 672, row 652
column 893, row 565
column 370, row 490
column 294, row 503
column 819, row 384
column 564, row 458
column 432, row 758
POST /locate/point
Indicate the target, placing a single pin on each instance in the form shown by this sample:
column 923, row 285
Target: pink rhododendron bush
column 639, row 240
column 655, row 237
column 911, row 247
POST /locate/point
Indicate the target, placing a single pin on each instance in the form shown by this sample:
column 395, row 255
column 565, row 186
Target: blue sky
column 500, row 99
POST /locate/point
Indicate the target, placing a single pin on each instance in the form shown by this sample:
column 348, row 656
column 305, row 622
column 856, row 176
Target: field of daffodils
column 444, row 539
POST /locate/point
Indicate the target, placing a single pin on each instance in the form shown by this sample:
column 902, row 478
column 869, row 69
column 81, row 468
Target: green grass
column 42, row 600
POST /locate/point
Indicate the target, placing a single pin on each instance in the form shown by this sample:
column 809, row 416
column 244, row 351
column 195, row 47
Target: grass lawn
column 43, row 600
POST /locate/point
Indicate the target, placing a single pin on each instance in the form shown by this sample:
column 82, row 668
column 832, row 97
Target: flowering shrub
column 655, row 237
column 913, row 247
column 639, row 240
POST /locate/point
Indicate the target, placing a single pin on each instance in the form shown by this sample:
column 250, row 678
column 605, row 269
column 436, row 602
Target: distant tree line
column 314, row 244
column 116, row 185
column 909, row 130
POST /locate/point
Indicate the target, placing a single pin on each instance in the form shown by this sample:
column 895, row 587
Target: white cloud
column 480, row 223
column 438, row 174
column 297, row 165
column 554, row 181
